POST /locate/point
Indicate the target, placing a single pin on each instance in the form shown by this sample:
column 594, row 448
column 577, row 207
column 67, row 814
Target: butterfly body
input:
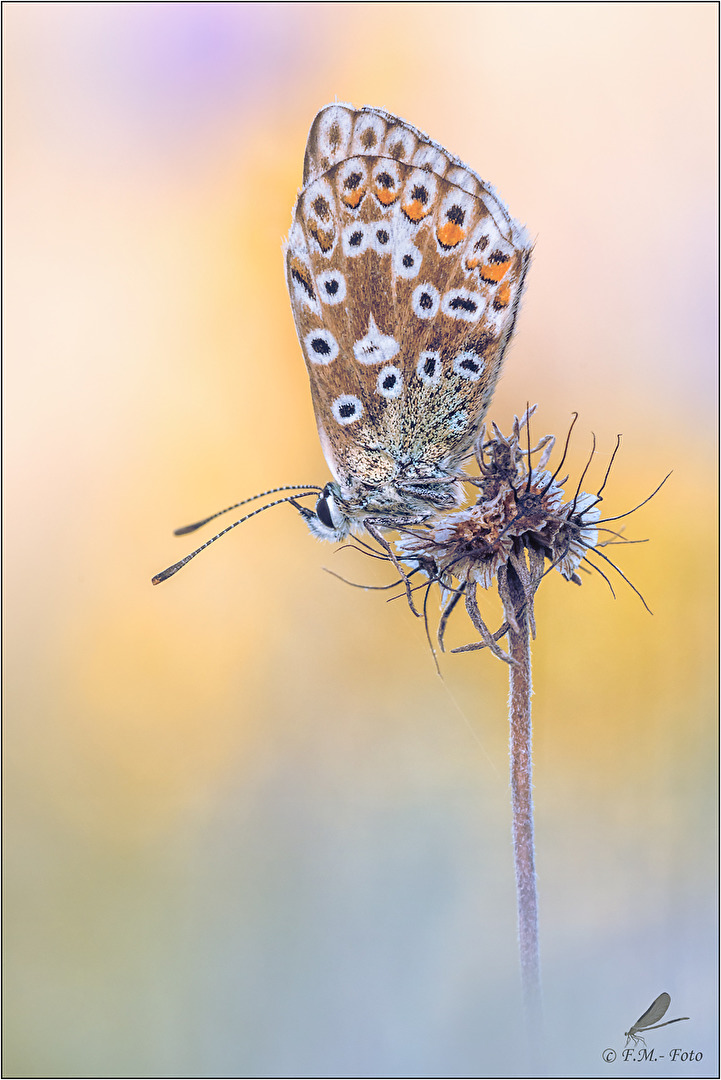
column 405, row 272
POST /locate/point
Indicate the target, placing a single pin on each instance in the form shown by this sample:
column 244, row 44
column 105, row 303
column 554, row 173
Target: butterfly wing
column 405, row 272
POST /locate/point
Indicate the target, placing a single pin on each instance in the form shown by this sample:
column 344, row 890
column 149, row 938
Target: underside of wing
column 405, row 273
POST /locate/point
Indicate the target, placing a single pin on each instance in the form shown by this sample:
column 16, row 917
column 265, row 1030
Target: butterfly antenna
column 165, row 574
column 261, row 495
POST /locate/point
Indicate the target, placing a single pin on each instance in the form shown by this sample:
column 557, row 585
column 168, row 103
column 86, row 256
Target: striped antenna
column 165, row 574
column 261, row 495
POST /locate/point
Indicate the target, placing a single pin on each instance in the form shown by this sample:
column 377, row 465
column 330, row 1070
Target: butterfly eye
column 323, row 511
column 327, row 511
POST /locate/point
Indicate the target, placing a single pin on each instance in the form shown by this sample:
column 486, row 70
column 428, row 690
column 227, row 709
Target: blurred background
column 248, row 829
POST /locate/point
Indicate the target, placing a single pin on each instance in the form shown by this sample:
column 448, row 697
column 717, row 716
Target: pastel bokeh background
column 248, row 830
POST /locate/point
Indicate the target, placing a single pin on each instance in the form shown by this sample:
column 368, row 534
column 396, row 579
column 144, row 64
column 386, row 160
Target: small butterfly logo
column 405, row 273
column 649, row 1020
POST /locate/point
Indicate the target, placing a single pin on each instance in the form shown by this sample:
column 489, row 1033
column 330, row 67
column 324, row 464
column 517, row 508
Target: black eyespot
column 331, row 287
column 420, row 194
column 382, row 236
column 463, row 304
column 456, row 214
column 347, row 409
column 351, row 182
column 385, row 180
column 321, row 207
column 389, row 382
column 323, row 512
column 426, row 301
column 355, row 239
column 430, row 365
column 334, row 136
column 302, row 281
column 408, row 263
column 320, row 346
column 469, row 364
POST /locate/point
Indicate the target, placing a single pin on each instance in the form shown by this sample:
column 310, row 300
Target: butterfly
column 405, row 272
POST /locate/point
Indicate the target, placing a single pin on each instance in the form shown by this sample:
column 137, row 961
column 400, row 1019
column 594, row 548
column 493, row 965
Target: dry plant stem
column 522, row 805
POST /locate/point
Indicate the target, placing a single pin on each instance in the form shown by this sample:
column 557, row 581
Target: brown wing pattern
column 405, row 273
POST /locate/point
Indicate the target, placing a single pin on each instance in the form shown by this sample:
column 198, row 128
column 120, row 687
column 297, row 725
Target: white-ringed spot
column 407, row 260
column 463, row 304
column 419, row 195
column 382, row 241
column 375, row 347
column 386, row 182
column 355, row 239
column 321, row 346
column 333, row 132
column 331, row 286
column 425, row 301
column 368, row 133
column 346, row 409
column 429, row 367
column 390, row 382
column 469, row 365
column 352, row 182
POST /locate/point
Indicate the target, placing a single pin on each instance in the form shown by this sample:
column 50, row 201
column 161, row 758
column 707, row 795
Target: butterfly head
column 339, row 512
column 330, row 520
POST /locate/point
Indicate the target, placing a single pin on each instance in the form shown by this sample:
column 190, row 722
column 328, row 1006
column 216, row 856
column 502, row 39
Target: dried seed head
column 520, row 522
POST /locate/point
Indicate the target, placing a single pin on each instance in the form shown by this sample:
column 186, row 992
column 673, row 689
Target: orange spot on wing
column 450, row 234
column 494, row 271
column 503, row 295
column 473, row 261
column 415, row 210
column 353, row 198
column 324, row 237
column 385, row 196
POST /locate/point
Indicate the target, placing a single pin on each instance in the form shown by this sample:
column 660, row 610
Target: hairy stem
column 522, row 805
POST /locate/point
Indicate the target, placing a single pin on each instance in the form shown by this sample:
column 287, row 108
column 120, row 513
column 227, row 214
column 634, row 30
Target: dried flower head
column 521, row 521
